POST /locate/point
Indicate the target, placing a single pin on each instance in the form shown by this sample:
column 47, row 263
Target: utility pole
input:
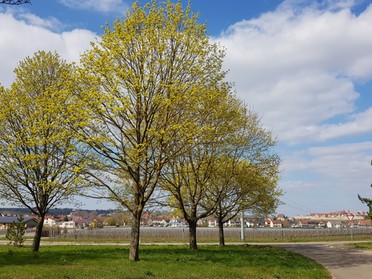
column 242, row 235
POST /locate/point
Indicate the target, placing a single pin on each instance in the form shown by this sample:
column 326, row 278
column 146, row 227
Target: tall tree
column 141, row 83
column 244, row 186
column 248, row 177
column 189, row 176
column 39, row 165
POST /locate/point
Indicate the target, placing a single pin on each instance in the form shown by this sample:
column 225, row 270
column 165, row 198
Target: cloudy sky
column 304, row 66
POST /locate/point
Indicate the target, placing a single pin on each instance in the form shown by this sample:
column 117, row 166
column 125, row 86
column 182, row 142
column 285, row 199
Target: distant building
column 67, row 224
column 49, row 221
column 5, row 222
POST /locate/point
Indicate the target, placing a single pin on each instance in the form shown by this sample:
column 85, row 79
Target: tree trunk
column 135, row 237
column 38, row 232
column 221, row 233
column 192, row 235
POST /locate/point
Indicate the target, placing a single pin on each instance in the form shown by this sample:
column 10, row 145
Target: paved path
column 343, row 262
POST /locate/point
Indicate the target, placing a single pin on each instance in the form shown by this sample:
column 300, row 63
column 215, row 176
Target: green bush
column 16, row 231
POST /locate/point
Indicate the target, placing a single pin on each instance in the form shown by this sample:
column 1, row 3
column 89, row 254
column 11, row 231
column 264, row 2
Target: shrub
column 16, row 231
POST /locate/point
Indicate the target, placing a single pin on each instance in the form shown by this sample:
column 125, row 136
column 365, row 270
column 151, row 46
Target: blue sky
column 304, row 66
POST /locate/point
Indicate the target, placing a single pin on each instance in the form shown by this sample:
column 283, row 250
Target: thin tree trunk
column 38, row 232
column 192, row 235
column 135, row 237
column 221, row 233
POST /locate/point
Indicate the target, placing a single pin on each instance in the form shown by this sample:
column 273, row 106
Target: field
column 156, row 262
column 180, row 235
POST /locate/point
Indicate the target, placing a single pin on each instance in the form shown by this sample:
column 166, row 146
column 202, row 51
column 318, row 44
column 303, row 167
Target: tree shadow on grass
column 60, row 255
column 163, row 262
column 230, row 256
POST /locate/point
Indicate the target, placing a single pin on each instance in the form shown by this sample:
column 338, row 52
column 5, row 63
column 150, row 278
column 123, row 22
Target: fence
column 150, row 234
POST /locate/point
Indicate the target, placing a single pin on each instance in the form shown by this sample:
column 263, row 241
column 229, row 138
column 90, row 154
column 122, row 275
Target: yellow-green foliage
column 147, row 85
column 38, row 161
column 230, row 165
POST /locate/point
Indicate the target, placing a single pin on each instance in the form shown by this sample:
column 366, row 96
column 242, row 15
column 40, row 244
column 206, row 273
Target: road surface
column 343, row 262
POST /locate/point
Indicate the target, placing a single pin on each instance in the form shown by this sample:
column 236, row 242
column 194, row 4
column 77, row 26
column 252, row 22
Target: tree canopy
column 227, row 168
column 147, row 106
column 142, row 87
column 39, row 162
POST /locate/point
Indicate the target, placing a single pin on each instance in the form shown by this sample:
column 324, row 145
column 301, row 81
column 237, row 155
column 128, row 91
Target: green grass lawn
column 365, row 245
column 156, row 262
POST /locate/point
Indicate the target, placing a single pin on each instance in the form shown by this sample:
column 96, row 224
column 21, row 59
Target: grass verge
column 363, row 245
column 156, row 262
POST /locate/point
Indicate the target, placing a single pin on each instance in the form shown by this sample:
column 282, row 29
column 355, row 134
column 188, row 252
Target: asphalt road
column 343, row 262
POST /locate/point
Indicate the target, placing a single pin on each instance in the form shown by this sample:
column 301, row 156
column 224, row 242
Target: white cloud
column 326, row 178
column 297, row 67
column 359, row 123
column 352, row 160
column 104, row 6
column 19, row 39
column 294, row 105
column 330, row 5
column 51, row 23
column 348, row 165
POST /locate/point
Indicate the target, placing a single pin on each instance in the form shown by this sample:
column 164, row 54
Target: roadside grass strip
column 362, row 245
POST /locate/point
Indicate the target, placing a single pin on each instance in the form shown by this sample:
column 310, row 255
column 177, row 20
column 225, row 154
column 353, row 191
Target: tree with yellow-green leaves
column 141, row 87
column 188, row 176
column 218, row 173
column 249, row 171
column 39, row 162
column 244, row 186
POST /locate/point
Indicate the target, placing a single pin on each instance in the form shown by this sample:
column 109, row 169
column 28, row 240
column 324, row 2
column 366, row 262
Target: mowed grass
column 363, row 245
column 156, row 262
